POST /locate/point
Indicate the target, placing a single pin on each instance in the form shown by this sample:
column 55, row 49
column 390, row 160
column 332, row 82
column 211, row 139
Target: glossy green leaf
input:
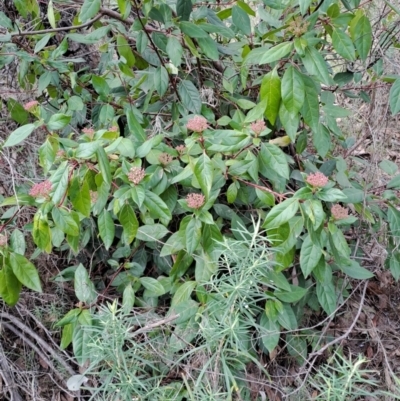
column 294, row 295
column 19, row 135
column 269, row 332
column 84, row 288
column 190, row 96
column 241, row 20
column 270, row 91
column 316, row 65
column 310, row 254
column 80, row 196
column 42, row 233
column 25, row 272
column 125, row 51
column 292, row 90
column 17, row 242
column 89, row 9
column 156, row 206
column 183, row 293
column 209, row 48
column 100, row 85
column 193, row 235
column 184, row 9
column 310, row 109
column 10, row 286
column 59, row 181
column 361, row 33
column 174, row 51
column 204, row 173
column 153, row 287
column 66, row 336
column 354, row 270
column 192, row 30
column 151, row 232
column 129, row 222
column 343, row 44
column 281, row 213
column 287, row 318
column 327, row 297
column 322, row 139
column 64, row 221
column 106, row 228
column 272, row 157
column 128, row 299
column 161, row 80
column 58, row 121
column 276, row 53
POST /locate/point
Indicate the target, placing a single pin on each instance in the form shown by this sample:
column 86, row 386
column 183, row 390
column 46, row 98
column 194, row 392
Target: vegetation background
column 199, row 200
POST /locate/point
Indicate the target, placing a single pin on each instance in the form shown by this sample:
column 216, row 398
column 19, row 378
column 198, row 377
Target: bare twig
column 151, row 326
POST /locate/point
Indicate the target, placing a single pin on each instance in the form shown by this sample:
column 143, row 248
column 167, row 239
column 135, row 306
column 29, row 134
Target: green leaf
column 394, row 97
column 25, row 272
column 125, row 51
column 361, row 33
column 17, row 242
column 343, row 44
column 106, row 228
column 354, row 270
column 292, row 90
column 42, row 42
column 5, row 22
column 269, row 332
column 60, row 182
column 289, row 121
column 304, row 5
column 58, row 121
column 156, row 206
column 161, row 80
column 322, row 140
column 310, row 255
column 104, row 165
column 192, row 30
column 394, row 265
column 87, row 150
column 316, row 65
column 394, row 182
column 190, row 96
column 42, row 233
column 388, row 167
column 276, row 53
column 153, row 287
column 124, row 8
column 331, row 195
column 281, row 213
column 272, row 157
column 18, row 135
column 66, row 337
column 184, row 9
column 64, row 221
column 256, row 113
column 183, row 293
column 89, row 9
column 100, row 85
column 209, row 48
column 10, row 286
column 294, row 295
column 128, row 299
column 70, row 317
column 17, row 112
column 129, row 222
column 80, row 343
column 151, row 232
column 84, row 288
column 204, row 173
column 287, row 318
column 310, row 109
column 326, row 297
column 174, row 51
column 193, row 235
column 241, row 20
column 270, row 92
column 80, row 196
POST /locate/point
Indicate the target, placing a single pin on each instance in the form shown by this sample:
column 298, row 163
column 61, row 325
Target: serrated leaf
column 292, row 90
column 84, row 288
column 19, row 135
column 204, row 173
column 190, row 96
column 129, row 222
column 106, row 228
column 276, row 53
column 310, row 255
column 25, row 272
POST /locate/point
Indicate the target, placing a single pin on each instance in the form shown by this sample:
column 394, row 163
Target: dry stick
column 314, row 355
column 11, row 386
column 154, row 325
column 42, row 343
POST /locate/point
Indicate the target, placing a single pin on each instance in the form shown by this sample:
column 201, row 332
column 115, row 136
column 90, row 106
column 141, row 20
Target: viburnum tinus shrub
column 196, row 121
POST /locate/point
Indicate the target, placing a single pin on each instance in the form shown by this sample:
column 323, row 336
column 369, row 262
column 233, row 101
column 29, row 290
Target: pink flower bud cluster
column 114, row 128
column 197, row 124
column 195, row 201
column 30, row 105
column 93, row 196
column 258, row 127
column 3, row 240
column 180, row 149
column 60, row 153
column 317, row 180
column 339, row 212
column 41, row 189
column 89, row 132
column 136, row 175
column 165, row 159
